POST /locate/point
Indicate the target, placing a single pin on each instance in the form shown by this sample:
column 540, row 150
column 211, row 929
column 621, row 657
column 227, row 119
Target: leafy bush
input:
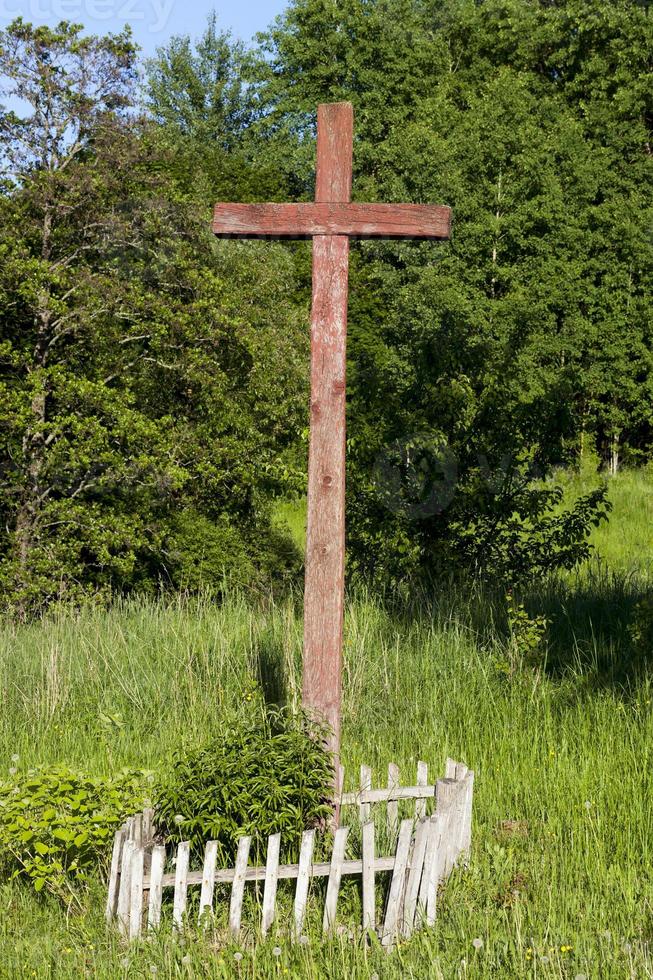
column 56, row 825
column 264, row 774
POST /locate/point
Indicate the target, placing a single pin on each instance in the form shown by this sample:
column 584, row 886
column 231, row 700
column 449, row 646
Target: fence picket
column 116, row 855
column 429, row 896
column 303, row 879
column 415, row 876
column 238, row 886
column 335, row 875
column 397, row 883
column 208, row 877
column 124, row 891
column 466, row 839
column 271, row 878
column 393, row 805
column 365, row 784
column 136, row 892
column 181, row 884
column 156, row 887
column 422, row 780
column 369, row 893
column 420, row 862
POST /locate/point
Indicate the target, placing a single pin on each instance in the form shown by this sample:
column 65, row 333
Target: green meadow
column 560, row 880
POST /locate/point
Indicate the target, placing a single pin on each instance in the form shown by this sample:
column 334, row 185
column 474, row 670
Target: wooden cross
column 331, row 221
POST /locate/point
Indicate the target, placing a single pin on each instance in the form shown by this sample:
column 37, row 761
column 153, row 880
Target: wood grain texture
column 181, row 884
column 335, row 145
column 136, row 892
column 271, row 879
column 325, row 528
column 305, row 220
column 397, row 884
column 303, row 880
column 392, row 811
column 208, row 877
column 369, row 893
column 335, row 877
column 155, row 887
column 238, row 876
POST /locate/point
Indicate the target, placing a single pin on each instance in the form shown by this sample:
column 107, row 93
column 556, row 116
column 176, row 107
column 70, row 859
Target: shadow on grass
column 590, row 614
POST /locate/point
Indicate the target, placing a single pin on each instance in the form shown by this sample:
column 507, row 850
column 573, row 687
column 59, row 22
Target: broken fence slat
column 238, row 886
column 369, row 893
column 366, row 785
column 433, row 872
column 114, row 873
column 414, row 876
column 335, row 876
column 181, row 884
column 383, row 795
column 303, row 880
column 136, row 892
column 156, row 887
column 422, row 780
column 392, row 810
column 397, row 883
column 271, row 879
column 208, row 877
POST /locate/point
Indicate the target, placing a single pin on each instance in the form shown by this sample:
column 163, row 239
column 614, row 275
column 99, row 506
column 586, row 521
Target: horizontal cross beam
column 354, row 220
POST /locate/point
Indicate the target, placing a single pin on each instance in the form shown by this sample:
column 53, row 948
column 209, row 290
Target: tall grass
column 560, row 881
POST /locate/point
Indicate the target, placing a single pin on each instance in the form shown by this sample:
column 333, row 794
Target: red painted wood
column 325, row 531
column 354, row 220
column 330, row 221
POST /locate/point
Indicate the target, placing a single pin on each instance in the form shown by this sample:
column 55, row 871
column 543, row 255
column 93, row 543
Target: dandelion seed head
column 15, row 757
column 276, row 951
column 477, row 943
column 304, row 940
column 13, row 771
column 238, row 957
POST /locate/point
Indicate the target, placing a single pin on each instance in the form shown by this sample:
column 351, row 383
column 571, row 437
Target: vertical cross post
column 331, row 221
column 325, row 532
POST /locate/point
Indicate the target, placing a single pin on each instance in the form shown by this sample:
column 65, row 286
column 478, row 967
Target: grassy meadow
column 560, row 881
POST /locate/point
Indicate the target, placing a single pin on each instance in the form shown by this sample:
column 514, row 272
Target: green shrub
column 56, row 825
column 261, row 775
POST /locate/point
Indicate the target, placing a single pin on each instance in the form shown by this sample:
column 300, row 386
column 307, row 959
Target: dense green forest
column 153, row 381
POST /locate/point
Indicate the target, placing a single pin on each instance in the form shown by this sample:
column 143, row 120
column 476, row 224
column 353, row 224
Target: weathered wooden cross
column 331, row 221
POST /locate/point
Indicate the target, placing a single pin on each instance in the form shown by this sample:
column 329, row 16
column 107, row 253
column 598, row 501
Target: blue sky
column 152, row 21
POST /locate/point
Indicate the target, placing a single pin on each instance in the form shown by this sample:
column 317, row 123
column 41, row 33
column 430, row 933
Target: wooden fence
column 427, row 849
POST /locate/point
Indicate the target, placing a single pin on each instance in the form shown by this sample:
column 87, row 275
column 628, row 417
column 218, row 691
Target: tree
column 151, row 379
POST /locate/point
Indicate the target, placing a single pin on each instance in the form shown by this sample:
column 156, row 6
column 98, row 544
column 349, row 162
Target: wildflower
column 304, row 940
column 276, row 951
column 13, row 771
column 477, row 943
column 238, row 957
column 186, row 960
column 566, row 949
column 588, row 804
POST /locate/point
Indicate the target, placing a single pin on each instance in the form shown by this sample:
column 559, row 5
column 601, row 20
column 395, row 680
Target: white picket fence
column 427, row 849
